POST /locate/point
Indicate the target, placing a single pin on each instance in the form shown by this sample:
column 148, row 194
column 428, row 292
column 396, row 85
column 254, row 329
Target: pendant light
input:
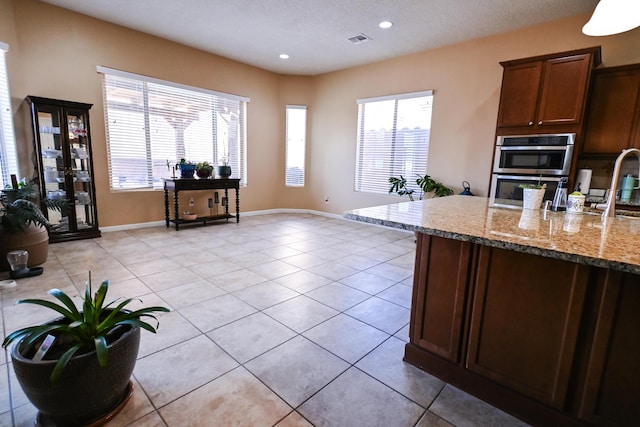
column 613, row 17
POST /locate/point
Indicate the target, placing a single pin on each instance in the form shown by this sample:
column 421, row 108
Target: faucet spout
column 610, row 209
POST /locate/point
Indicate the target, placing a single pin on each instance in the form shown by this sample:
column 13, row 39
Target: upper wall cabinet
column 545, row 92
column 613, row 120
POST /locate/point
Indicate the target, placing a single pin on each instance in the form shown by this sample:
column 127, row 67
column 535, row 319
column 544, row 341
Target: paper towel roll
column 583, row 180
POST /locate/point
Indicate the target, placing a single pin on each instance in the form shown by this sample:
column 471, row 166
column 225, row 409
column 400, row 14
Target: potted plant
column 187, row 169
column 425, row 183
column 204, row 170
column 532, row 195
column 223, row 170
column 22, row 223
column 76, row 369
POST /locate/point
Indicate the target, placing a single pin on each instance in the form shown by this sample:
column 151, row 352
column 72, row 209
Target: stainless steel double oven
column 529, row 159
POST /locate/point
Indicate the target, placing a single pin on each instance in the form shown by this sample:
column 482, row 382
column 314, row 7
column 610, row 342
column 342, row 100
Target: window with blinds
column 8, row 157
column 393, row 140
column 295, row 145
column 151, row 124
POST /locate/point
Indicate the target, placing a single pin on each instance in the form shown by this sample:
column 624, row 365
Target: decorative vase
column 187, row 170
column 532, row 198
column 223, row 171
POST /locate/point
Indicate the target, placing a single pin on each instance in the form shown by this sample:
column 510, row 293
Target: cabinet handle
column 530, row 123
column 540, row 122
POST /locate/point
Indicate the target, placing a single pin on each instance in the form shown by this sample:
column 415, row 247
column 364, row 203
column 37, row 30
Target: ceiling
column 315, row 33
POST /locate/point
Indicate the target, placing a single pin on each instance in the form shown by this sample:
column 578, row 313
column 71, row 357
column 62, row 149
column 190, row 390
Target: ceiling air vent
column 360, row 38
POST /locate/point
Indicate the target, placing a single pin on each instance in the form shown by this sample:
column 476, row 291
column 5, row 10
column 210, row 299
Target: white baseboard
column 125, row 227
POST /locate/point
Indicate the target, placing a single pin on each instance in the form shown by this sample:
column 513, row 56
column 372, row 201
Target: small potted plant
column 204, row 170
column 76, row 369
column 22, row 223
column 426, row 184
column 187, row 169
column 532, row 195
column 223, row 170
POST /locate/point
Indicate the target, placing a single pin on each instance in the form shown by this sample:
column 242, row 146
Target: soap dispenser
column 560, row 198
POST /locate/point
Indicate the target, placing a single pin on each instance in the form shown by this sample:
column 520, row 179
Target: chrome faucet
column 610, row 209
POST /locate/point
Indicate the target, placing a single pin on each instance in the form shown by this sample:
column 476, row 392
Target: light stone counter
column 582, row 238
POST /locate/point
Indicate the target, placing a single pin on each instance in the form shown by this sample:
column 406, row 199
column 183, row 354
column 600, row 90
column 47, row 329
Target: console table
column 191, row 184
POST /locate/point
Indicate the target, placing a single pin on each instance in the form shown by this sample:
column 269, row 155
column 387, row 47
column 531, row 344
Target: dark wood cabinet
column 524, row 326
column 437, row 321
column 545, row 91
column 613, row 120
column 548, row 340
column 64, row 166
column 613, row 371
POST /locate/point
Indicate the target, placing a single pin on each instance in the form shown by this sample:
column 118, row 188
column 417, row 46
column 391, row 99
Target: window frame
column 8, row 150
column 237, row 153
column 288, row 183
column 367, row 182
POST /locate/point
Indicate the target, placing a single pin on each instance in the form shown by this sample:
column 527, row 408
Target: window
column 296, row 141
column 8, row 157
column 393, row 139
column 151, row 122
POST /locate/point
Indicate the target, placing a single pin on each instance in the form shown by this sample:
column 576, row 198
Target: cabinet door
column 613, row 373
column 564, row 87
column 525, row 320
column 438, row 308
column 613, row 114
column 519, row 96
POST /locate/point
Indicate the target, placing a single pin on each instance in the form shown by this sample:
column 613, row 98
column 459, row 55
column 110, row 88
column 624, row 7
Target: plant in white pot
column 76, row 369
column 532, row 195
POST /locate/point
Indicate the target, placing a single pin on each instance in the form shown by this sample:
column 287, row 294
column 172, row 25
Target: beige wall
column 466, row 79
column 54, row 52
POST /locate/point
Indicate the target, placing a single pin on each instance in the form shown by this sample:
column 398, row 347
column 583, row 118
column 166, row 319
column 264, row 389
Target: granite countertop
column 584, row 238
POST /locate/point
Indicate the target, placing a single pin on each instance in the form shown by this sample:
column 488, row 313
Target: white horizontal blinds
column 151, row 122
column 296, row 136
column 393, row 140
column 8, row 157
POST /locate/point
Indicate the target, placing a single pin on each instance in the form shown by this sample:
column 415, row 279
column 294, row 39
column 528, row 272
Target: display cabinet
column 64, row 166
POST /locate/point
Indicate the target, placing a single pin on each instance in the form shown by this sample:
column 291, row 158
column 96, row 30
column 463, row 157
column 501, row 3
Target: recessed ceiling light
column 284, row 56
column 385, row 24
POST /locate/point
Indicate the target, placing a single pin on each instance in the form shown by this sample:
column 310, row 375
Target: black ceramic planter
column 223, row 171
column 84, row 392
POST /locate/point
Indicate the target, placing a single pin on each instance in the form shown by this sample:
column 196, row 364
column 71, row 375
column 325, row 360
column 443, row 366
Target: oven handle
column 533, row 148
column 529, row 177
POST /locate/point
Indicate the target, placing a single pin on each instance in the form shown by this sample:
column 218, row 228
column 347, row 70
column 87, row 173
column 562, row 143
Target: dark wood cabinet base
column 549, row 341
column 528, row 410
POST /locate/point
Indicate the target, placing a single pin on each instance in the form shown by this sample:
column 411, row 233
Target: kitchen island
column 535, row 312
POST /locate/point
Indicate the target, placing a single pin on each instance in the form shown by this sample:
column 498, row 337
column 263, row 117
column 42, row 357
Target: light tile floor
column 282, row 320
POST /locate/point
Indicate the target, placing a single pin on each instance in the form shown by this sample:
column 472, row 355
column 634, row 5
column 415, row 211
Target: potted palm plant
column 76, row 369
column 22, row 223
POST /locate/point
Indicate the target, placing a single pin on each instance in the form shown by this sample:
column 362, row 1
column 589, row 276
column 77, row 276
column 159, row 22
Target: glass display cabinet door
column 53, row 167
column 79, row 171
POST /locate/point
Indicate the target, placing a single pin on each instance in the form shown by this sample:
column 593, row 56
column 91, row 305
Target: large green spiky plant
column 87, row 330
column 18, row 210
